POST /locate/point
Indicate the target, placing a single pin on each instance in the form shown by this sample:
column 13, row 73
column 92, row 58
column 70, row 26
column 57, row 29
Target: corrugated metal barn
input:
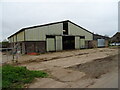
column 50, row 37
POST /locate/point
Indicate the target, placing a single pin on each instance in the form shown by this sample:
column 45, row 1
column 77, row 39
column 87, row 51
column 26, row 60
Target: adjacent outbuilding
column 115, row 39
column 55, row 36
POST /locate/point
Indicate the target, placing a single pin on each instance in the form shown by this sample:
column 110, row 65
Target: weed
column 16, row 77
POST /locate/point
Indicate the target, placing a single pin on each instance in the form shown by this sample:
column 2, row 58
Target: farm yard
column 86, row 68
column 59, row 45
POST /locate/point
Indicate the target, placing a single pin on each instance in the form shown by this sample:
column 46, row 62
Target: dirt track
column 97, row 67
column 74, row 69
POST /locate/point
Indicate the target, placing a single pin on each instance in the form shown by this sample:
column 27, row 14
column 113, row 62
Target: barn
column 57, row 36
column 115, row 38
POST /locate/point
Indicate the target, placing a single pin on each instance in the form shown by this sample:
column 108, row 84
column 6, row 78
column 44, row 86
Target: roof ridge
column 35, row 26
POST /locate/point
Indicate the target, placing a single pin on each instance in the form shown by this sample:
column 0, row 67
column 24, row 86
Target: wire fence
column 10, row 54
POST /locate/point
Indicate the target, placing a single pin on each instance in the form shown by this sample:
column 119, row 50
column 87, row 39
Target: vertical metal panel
column 20, row 36
column 15, row 38
column 40, row 33
column 10, row 39
column 55, row 29
column 75, row 30
column 43, row 31
column 82, row 43
column 32, row 34
column 101, row 42
column 50, row 44
column 58, row 43
column 77, row 42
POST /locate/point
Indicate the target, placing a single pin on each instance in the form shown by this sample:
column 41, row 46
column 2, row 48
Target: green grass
column 16, row 77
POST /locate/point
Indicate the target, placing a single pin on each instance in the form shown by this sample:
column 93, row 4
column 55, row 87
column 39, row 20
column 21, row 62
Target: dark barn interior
column 68, row 42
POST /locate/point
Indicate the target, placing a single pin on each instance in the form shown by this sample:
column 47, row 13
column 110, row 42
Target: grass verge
column 17, row 77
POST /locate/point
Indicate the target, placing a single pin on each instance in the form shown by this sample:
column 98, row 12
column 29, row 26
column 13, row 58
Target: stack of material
column 91, row 44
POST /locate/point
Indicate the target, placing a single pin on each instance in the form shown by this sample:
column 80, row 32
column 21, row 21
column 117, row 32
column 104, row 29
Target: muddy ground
column 97, row 67
column 88, row 68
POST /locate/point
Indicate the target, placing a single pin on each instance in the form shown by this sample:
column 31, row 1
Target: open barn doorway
column 68, row 42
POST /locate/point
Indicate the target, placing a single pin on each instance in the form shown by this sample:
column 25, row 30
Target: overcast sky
column 99, row 17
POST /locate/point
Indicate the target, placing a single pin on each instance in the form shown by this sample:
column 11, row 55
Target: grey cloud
column 97, row 17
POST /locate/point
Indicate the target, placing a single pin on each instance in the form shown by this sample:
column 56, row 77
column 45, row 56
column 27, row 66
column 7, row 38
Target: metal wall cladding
column 35, row 34
column 77, row 42
column 101, row 42
column 50, row 44
column 10, row 39
column 15, row 38
column 39, row 33
column 82, row 43
column 58, row 43
column 55, row 29
column 20, row 36
column 75, row 30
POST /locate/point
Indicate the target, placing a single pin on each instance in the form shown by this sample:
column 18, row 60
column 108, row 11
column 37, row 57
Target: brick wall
column 35, row 46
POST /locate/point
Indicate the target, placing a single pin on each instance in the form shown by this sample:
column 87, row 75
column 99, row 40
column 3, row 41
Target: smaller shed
column 115, row 38
column 97, row 36
column 98, row 41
